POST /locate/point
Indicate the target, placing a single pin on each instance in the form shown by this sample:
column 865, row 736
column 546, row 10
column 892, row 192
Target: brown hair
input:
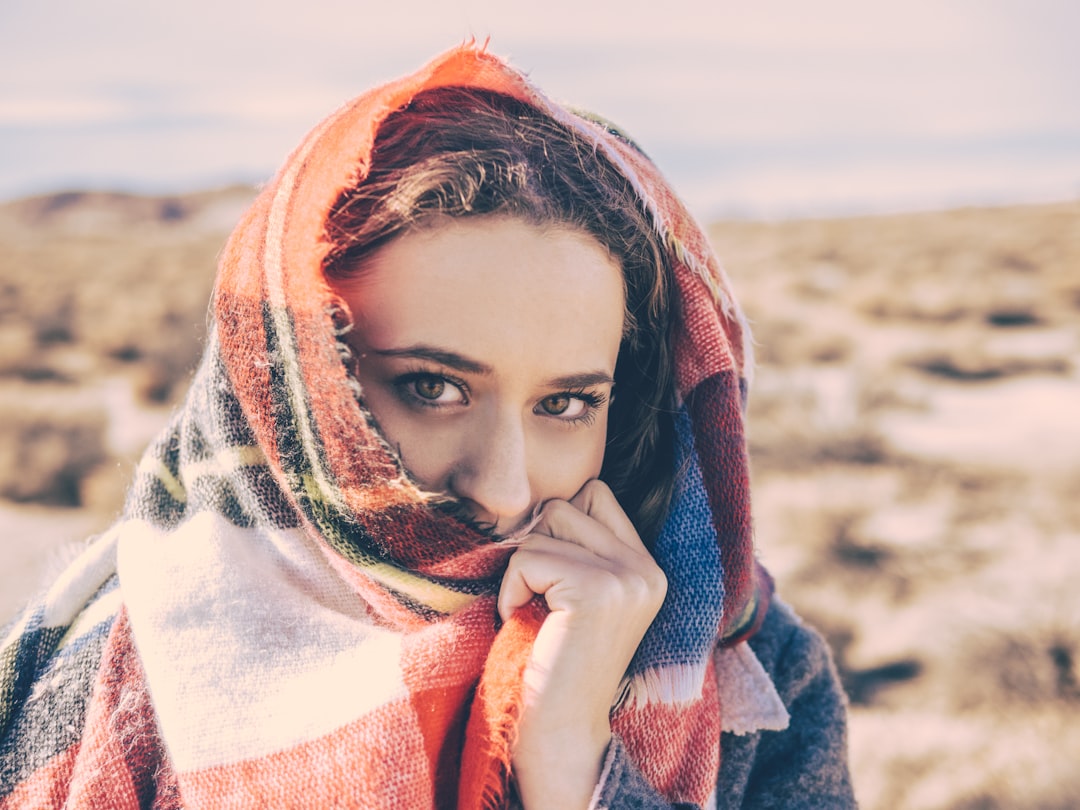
column 465, row 152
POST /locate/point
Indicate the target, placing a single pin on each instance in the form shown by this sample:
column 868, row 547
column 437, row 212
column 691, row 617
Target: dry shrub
column 808, row 416
column 48, row 441
column 924, row 301
column 946, row 762
column 17, row 345
column 1034, row 667
column 786, row 341
column 793, row 447
column 1037, row 664
column 96, row 286
column 973, row 364
column 122, row 279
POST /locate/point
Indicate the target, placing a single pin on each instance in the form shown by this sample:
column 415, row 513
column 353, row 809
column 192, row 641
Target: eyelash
column 594, row 400
column 405, row 382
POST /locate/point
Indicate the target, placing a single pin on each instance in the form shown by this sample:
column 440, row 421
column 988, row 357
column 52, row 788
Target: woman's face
column 486, row 350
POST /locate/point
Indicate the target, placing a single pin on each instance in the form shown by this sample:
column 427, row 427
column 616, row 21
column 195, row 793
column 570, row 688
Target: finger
column 572, row 578
column 513, row 594
column 568, row 523
column 591, row 518
column 597, row 501
column 537, row 568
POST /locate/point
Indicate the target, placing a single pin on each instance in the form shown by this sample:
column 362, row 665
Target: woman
column 455, row 513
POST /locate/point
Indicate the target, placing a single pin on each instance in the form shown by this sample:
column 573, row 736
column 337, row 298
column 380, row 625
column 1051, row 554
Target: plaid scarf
column 283, row 618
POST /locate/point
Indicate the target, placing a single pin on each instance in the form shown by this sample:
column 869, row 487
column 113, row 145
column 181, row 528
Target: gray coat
column 801, row 766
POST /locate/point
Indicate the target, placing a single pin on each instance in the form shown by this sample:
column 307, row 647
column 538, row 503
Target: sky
column 768, row 109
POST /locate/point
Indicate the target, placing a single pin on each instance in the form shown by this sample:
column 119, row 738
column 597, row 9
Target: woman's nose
column 493, row 473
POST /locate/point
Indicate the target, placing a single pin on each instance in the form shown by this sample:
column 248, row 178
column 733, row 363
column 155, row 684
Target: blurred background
column 894, row 189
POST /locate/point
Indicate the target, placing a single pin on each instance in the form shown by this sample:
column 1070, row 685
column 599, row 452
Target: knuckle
column 649, row 586
column 595, row 490
column 658, row 580
column 659, row 586
column 556, row 507
column 595, row 485
column 520, row 558
column 608, row 585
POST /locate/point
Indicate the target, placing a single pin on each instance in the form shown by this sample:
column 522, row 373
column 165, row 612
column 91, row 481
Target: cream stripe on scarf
column 275, row 282
column 225, row 462
column 102, row 609
column 80, row 581
column 421, row 590
column 220, row 464
column 278, row 649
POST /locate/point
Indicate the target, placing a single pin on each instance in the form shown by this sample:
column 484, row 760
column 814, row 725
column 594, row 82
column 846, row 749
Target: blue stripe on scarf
column 687, row 550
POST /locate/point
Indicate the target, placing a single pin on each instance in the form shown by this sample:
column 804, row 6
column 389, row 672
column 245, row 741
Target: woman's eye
column 564, row 406
column 431, row 389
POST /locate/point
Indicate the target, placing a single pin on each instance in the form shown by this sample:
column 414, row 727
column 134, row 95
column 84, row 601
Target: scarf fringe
column 677, row 684
column 491, row 732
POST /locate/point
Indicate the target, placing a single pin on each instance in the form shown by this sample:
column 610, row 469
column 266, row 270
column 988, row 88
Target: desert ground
column 914, row 429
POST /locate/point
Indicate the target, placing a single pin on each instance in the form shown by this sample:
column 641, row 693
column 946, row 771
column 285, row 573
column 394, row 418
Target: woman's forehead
column 495, row 288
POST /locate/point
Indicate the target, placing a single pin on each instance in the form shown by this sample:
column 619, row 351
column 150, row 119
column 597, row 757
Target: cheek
column 426, row 451
column 597, row 446
column 429, row 455
column 563, row 465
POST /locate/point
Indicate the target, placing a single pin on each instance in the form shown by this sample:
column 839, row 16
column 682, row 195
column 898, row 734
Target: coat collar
column 747, row 693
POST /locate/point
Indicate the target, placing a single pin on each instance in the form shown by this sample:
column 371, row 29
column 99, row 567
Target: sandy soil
column 913, row 433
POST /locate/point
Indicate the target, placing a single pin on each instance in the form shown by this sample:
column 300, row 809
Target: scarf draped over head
column 282, row 617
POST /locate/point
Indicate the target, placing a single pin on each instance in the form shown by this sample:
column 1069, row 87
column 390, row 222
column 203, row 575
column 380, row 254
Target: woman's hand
column 603, row 589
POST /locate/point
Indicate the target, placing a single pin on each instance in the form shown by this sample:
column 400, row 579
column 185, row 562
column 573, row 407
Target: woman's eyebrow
column 444, row 357
column 460, row 362
column 585, row 379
